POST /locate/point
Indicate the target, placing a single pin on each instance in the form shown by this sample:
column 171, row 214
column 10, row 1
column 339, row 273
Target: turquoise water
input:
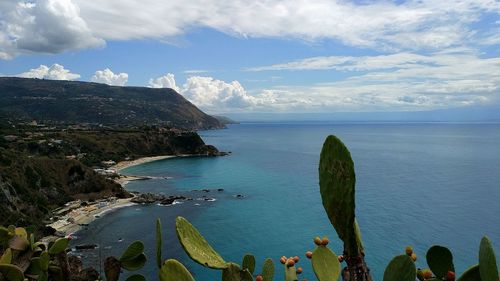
column 417, row 184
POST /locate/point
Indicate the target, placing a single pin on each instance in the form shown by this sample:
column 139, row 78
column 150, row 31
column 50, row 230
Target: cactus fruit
column 172, row 270
column 296, row 259
column 487, row 261
column 299, row 270
column 325, row 241
column 325, row 264
column 309, row 254
column 409, row 250
column 450, row 276
column 413, row 257
column 196, row 246
column 427, row 274
column 340, row 258
column 401, row 268
column 259, row 278
column 440, row 260
column 268, row 270
column 283, row 260
column 290, row 262
column 317, row 241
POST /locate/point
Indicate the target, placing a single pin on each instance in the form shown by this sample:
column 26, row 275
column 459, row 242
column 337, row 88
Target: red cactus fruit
column 325, row 241
column 259, row 278
column 290, row 263
column 309, row 254
column 283, row 259
column 450, row 276
column 299, row 270
column 317, row 240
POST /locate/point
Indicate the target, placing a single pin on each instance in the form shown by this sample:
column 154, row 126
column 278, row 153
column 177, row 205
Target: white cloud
column 44, row 26
column 55, row 72
column 390, row 25
column 107, row 76
column 52, row 26
column 401, row 81
column 166, row 81
column 212, row 94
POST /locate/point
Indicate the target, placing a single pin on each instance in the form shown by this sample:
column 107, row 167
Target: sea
column 418, row 184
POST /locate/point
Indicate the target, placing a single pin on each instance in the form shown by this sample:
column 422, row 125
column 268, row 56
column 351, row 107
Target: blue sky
column 266, row 56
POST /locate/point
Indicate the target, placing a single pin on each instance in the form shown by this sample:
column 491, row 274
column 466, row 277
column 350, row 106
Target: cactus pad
column 268, row 270
column 158, row 244
column 440, row 260
column 234, row 273
column 471, row 274
column 59, row 246
column 290, row 273
column 401, row 268
column 196, row 246
column 487, row 261
column 325, row 264
column 136, row 277
column 249, row 263
column 172, row 270
column 11, row 272
column 337, row 185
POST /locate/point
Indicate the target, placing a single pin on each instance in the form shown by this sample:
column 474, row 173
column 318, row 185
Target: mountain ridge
column 27, row 99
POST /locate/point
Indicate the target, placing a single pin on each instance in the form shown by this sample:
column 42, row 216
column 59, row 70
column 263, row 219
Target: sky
column 279, row 56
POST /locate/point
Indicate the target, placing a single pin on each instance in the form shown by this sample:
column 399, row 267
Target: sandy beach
column 78, row 217
column 129, row 163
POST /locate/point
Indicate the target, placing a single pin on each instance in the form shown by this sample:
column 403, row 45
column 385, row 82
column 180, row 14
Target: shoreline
column 129, row 163
column 82, row 216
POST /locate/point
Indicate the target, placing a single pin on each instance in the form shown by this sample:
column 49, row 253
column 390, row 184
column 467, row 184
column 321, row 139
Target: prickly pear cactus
column 133, row 258
column 172, row 270
column 471, row 274
column 337, row 181
column 487, row 261
column 234, row 273
column 440, row 260
column 268, row 270
column 325, row 263
column 159, row 242
column 290, row 273
column 249, row 263
column 196, row 246
column 401, row 268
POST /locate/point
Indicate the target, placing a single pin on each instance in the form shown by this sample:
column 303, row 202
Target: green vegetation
column 23, row 99
column 42, row 169
column 337, row 185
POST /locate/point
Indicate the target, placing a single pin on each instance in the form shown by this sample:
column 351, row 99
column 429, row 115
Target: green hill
column 23, row 99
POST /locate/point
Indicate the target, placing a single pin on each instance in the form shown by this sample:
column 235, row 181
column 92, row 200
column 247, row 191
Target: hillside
column 23, row 99
column 40, row 170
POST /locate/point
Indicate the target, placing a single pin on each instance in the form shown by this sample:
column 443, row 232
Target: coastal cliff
column 41, row 170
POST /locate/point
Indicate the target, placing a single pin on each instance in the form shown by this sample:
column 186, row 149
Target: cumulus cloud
column 166, row 81
column 55, row 72
column 107, row 76
column 43, row 26
column 52, row 26
column 400, row 81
